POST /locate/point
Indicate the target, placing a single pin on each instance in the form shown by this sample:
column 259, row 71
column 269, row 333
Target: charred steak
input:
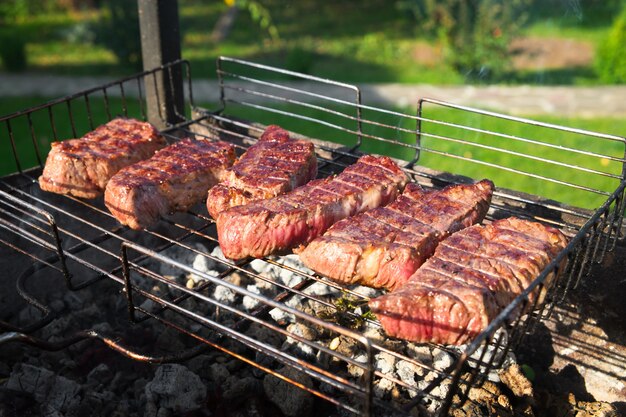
column 471, row 277
column 174, row 179
column 297, row 217
column 82, row 167
column 383, row 247
column 274, row 165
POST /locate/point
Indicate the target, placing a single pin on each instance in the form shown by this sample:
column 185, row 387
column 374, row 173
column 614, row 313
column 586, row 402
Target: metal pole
column 160, row 44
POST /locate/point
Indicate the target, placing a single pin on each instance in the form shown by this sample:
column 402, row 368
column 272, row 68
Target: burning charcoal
column 249, row 303
column 100, row 375
column 290, row 278
column 179, row 254
column 303, row 330
column 356, row 370
column 29, row 315
column 440, row 391
column 176, row 389
column 5, row 370
column 265, row 335
column 139, row 389
column 300, row 349
column 265, row 361
column 322, row 289
column 101, row 400
column 384, row 362
column 373, row 332
column 292, row 401
column 421, row 353
column 240, row 388
column 31, row 379
column 57, row 305
column 169, row 340
column 367, row 292
column 442, row 360
column 487, row 400
column 55, row 394
column 347, row 346
column 219, row 373
column 216, row 252
column 382, row 387
column 408, row 372
column 73, row 301
column 63, row 396
column 281, row 316
column 516, row 381
column 203, row 264
column 224, row 295
column 58, row 327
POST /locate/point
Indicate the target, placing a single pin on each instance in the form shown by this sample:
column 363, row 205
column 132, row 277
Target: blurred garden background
column 571, row 42
column 481, row 43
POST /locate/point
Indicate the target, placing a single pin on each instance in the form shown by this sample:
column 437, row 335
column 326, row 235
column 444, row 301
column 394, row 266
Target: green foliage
column 261, row 15
column 346, row 314
column 611, row 59
column 300, row 60
column 18, row 10
column 581, row 12
column 476, row 33
column 13, row 10
column 118, row 30
column 13, row 52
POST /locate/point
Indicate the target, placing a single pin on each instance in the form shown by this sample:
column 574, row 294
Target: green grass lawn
column 364, row 41
column 444, row 147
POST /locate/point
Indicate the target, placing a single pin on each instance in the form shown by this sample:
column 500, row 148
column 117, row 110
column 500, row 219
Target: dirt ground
column 540, row 53
column 528, row 53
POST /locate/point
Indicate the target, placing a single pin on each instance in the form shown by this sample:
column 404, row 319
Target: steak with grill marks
column 174, row 179
column 383, row 247
column 471, row 277
column 299, row 216
column 82, row 167
column 274, row 165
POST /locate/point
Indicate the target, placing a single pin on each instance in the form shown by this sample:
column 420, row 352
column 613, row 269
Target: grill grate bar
column 522, row 155
column 226, row 330
column 593, row 232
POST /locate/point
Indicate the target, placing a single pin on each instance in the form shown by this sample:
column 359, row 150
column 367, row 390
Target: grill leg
column 160, row 44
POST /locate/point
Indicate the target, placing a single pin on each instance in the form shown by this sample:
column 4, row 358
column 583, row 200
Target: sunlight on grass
column 551, row 28
column 443, row 146
column 56, row 53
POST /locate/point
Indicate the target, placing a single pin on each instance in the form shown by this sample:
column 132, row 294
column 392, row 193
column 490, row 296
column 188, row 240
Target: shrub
column 13, row 52
column 611, row 59
column 476, row 33
column 118, row 30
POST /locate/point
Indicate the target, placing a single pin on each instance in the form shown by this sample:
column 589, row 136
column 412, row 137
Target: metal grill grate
column 80, row 241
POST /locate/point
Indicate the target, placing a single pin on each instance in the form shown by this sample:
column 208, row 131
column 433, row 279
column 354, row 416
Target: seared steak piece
column 297, row 217
column 471, row 277
column 82, row 167
column 385, row 246
column 274, row 165
column 174, row 179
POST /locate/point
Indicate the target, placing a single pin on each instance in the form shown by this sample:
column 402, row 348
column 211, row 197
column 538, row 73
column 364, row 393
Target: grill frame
column 42, row 221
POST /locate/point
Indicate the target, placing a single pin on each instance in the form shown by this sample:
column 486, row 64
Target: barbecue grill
column 80, row 242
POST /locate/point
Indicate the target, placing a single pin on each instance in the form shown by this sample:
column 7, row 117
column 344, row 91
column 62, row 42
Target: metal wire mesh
column 81, row 242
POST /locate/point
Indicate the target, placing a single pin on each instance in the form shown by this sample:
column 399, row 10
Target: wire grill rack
column 439, row 144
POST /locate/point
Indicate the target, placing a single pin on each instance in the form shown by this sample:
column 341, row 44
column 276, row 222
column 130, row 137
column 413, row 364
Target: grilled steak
column 383, row 247
column 297, row 217
column 82, row 167
column 274, row 165
column 471, row 277
column 174, row 179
